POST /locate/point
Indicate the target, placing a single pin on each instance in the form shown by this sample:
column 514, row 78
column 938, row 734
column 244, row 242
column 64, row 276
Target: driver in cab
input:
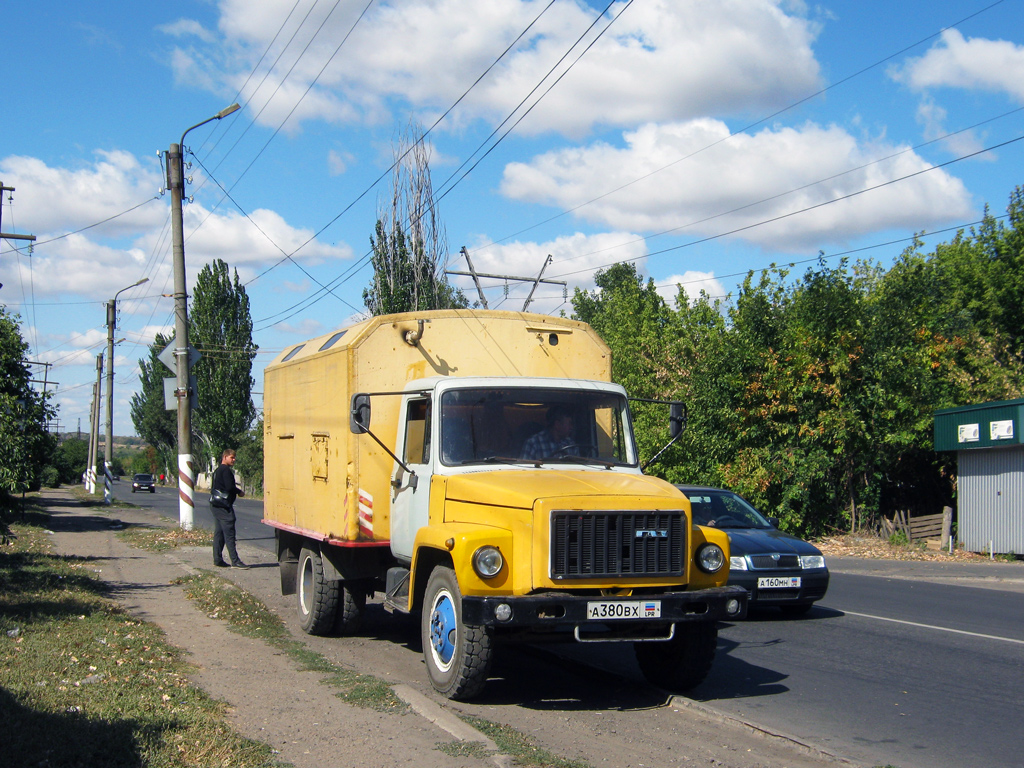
column 554, row 439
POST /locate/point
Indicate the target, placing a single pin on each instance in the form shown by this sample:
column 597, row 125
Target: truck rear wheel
column 318, row 598
column 682, row 662
column 350, row 610
column 458, row 656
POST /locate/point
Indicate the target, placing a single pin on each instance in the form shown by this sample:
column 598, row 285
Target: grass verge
column 83, row 683
column 524, row 752
column 245, row 614
column 163, row 539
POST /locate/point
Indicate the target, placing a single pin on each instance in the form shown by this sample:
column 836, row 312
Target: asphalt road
column 886, row 670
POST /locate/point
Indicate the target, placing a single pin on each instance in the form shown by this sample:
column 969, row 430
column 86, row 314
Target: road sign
column 171, row 399
column 168, row 358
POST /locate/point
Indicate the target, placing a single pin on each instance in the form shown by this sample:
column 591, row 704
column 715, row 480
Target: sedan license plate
column 605, row 610
column 778, row 582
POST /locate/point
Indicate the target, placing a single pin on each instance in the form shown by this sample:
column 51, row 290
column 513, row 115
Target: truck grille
column 621, row 543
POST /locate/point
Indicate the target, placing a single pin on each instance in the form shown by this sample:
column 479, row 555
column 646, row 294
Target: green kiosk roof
column 988, row 425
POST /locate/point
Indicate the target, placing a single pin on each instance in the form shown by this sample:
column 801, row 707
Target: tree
column 155, row 424
column 25, row 445
column 249, row 458
column 220, row 327
column 634, row 321
column 409, row 243
column 70, row 459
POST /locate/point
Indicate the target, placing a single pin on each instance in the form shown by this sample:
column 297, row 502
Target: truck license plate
column 778, row 582
column 604, row 610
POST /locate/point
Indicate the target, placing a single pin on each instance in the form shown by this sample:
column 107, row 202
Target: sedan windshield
column 519, row 425
column 724, row 509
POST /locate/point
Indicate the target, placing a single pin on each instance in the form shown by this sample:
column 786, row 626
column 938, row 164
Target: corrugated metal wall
column 991, row 499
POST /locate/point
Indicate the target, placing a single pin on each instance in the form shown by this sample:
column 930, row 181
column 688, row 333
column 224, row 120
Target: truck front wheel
column 682, row 662
column 317, row 597
column 458, row 656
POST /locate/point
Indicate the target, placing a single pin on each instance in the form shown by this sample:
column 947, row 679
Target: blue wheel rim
column 442, row 629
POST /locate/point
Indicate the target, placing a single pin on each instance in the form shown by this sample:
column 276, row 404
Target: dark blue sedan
column 777, row 569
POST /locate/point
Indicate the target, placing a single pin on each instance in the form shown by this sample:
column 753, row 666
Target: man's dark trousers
column 224, row 534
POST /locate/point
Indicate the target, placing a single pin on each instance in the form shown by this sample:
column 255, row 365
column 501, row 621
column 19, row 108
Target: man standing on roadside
column 223, row 491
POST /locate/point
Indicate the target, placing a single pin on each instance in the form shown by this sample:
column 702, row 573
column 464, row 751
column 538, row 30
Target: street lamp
column 108, row 448
column 176, row 183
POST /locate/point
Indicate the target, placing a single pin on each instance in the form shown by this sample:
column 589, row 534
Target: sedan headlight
column 487, row 562
column 737, row 563
column 710, row 558
column 812, row 561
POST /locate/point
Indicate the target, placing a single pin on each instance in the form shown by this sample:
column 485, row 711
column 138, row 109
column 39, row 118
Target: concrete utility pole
column 108, row 447
column 176, row 183
column 94, row 431
column 7, row 235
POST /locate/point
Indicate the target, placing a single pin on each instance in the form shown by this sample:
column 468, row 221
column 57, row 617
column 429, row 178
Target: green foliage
column 249, row 459
column 156, row 425
column 814, row 396
column 144, row 462
column 409, row 245
column 82, row 683
column 25, row 445
column 69, row 460
column 405, row 277
column 220, row 327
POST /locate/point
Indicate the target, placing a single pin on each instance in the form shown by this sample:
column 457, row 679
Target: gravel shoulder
column 271, row 700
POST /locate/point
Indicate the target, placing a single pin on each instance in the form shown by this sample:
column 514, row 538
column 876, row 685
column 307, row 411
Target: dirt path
column 272, row 701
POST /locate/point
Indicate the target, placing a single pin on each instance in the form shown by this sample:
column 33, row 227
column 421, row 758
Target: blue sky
column 697, row 138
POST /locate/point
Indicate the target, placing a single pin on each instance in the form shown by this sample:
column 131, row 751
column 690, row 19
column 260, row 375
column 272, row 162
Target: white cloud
column 250, row 244
column 59, row 200
column 933, row 117
column 692, row 282
column 188, row 28
column 306, row 329
column 574, row 260
column 661, row 60
column 338, row 162
column 968, row 63
column 53, row 201
column 697, row 180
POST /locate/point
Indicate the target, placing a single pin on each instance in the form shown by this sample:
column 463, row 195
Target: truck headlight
column 487, row 562
column 710, row 558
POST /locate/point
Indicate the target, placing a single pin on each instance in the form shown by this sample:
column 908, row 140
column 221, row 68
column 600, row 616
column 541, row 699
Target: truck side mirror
column 359, row 416
column 676, row 419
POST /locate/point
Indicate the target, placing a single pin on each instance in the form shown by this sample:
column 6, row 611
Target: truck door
column 410, row 492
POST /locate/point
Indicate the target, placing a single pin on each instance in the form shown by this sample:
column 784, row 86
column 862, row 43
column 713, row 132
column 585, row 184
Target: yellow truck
column 479, row 468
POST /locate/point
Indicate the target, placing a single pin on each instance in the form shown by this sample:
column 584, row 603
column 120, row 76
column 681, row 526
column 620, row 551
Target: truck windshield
column 480, row 425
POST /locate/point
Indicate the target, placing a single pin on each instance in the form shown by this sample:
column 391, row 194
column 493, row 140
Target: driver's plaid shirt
column 542, row 445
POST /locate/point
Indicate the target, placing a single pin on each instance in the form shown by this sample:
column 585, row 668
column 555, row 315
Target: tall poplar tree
column 220, row 327
column 409, row 242
column 155, row 424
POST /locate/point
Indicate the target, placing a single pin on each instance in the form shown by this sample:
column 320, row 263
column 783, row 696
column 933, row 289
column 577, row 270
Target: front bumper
column 558, row 611
column 813, row 586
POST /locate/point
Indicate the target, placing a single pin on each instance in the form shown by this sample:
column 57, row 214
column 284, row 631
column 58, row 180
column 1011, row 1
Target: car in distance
column 776, row 568
column 143, row 482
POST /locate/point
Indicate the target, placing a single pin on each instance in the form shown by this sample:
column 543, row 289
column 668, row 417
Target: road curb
column 429, row 709
column 682, row 702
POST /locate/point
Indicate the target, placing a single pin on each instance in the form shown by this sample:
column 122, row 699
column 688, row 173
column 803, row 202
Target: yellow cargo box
column 332, row 485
